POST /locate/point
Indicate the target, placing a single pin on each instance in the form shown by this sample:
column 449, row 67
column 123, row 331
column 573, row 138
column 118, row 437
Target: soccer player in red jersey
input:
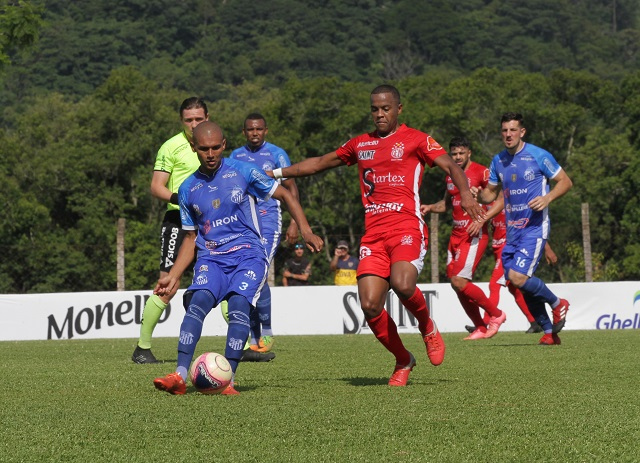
column 390, row 163
column 467, row 244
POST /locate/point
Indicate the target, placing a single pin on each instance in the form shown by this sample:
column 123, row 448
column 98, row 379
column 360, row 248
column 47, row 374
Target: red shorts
column 379, row 251
column 464, row 254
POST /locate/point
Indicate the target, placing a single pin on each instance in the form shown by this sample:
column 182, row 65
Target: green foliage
column 325, row 403
column 20, row 25
column 84, row 113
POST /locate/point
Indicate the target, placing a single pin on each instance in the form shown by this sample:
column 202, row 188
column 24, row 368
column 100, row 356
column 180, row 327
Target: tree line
column 80, row 129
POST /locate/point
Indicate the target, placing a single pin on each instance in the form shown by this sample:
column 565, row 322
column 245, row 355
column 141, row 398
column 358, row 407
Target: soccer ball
column 210, row 373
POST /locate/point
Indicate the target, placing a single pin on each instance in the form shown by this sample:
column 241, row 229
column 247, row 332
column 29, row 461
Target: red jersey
column 390, row 171
column 499, row 229
column 478, row 176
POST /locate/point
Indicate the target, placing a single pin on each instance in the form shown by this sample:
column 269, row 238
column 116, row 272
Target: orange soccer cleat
column 172, row 383
column 401, row 372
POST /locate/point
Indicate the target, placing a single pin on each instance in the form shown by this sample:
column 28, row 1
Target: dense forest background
column 91, row 89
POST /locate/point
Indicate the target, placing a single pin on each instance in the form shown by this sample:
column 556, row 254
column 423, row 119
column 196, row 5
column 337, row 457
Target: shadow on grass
column 360, row 381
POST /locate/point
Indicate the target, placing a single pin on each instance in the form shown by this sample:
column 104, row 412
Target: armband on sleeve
column 174, row 199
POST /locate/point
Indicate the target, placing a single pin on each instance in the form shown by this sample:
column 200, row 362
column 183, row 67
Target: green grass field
column 325, row 399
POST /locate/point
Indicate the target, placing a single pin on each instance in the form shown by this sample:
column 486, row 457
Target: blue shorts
column 523, row 256
column 243, row 273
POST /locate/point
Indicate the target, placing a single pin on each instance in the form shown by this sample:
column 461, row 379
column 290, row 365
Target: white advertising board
column 296, row 311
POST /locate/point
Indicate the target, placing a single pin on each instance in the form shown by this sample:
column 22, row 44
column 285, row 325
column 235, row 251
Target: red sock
column 477, row 295
column 472, row 310
column 417, row 305
column 494, row 292
column 520, row 301
column 385, row 329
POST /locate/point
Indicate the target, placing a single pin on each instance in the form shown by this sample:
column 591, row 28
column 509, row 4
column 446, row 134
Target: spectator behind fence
column 344, row 265
column 297, row 270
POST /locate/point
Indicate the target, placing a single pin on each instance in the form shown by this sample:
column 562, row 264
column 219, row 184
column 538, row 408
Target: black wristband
column 174, row 199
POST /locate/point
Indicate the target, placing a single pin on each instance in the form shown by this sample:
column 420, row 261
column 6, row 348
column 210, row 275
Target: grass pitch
column 325, row 399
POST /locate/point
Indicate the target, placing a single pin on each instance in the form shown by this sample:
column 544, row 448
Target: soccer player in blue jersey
column 218, row 211
column 266, row 156
column 524, row 171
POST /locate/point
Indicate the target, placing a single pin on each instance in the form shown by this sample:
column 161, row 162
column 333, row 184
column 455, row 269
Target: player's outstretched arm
column 308, row 167
column 292, row 229
column 314, row 243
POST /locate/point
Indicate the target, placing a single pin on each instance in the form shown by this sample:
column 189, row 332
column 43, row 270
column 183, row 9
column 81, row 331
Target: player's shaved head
column 207, row 128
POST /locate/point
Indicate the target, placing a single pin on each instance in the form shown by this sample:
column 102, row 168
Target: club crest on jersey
column 529, row 175
column 236, row 195
column 514, row 177
column 364, row 252
column 397, row 151
column 216, row 203
column 267, row 166
column 432, row 144
column 406, row 240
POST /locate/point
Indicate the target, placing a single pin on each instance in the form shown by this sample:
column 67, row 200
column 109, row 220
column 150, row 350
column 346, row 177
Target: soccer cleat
column 470, row 328
column 401, row 372
column 534, row 328
column 479, row 333
column 141, row 356
column 253, row 356
column 172, row 383
column 435, row 346
column 550, row 339
column 560, row 315
column 230, row 390
column 494, row 324
column 265, row 343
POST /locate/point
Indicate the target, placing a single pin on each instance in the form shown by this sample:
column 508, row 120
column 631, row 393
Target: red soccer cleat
column 479, row 333
column 550, row 339
column 172, row 383
column 560, row 315
column 494, row 324
column 435, row 346
column 401, row 372
column 230, row 390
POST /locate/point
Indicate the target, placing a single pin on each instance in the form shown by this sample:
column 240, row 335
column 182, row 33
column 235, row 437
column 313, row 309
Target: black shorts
column 171, row 237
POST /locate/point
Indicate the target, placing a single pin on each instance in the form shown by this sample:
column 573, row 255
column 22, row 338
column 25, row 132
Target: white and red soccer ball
column 210, row 373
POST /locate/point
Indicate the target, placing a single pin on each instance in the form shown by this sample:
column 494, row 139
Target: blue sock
column 238, row 329
column 538, row 310
column 264, row 310
column 191, row 329
column 536, row 287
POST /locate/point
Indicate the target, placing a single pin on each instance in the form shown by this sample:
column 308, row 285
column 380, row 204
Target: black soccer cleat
column 141, row 356
column 252, row 356
column 534, row 328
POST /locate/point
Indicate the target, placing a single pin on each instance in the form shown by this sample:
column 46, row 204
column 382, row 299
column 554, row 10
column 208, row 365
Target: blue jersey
column 222, row 208
column 524, row 176
column 266, row 157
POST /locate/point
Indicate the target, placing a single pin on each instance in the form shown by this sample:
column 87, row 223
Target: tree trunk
column 586, row 243
column 120, row 254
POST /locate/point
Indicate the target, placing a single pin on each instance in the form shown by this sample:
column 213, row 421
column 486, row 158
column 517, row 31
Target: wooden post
column 120, row 254
column 433, row 237
column 586, row 243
